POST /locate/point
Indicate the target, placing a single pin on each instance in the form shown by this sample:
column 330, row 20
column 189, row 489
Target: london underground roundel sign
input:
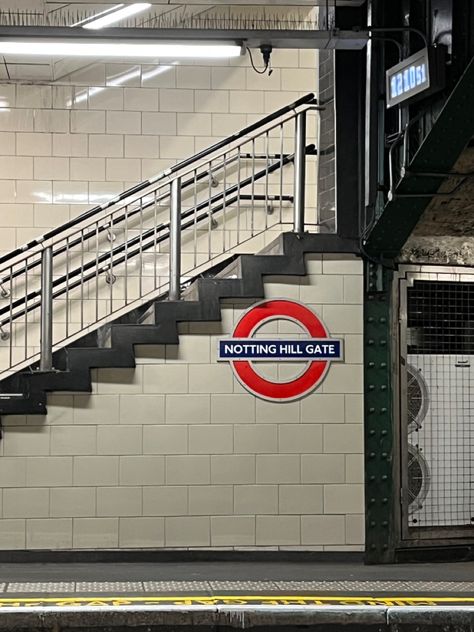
column 315, row 350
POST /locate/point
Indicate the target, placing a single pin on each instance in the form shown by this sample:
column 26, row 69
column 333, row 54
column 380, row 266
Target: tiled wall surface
column 67, row 146
column 176, row 454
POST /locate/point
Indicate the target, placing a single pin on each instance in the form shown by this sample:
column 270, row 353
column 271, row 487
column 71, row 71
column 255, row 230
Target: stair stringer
column 26, row 393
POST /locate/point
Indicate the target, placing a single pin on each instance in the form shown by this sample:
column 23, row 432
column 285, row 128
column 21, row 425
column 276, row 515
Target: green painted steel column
column 379, row 425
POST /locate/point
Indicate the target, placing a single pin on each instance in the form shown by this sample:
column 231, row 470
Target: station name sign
column 314, row 349
column 281, row 350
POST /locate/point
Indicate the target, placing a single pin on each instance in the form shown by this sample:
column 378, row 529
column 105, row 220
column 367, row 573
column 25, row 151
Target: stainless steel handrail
column 45, row 311
column 188, row 162
column 133, row 244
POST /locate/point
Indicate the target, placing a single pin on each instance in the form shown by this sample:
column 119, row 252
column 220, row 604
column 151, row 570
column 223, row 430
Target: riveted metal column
column 379, row 427
column 175, row 241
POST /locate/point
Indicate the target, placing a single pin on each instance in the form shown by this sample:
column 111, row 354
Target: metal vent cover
column 418, row 479
column 417, row 398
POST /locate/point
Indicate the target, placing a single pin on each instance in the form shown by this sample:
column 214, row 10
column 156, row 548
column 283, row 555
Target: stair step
column 18, row 404
column 93, row 358
column 126, row 336
column 79, row 380
column 202, row 302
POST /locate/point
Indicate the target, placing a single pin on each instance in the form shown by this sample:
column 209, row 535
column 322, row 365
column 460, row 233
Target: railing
column 151, row 238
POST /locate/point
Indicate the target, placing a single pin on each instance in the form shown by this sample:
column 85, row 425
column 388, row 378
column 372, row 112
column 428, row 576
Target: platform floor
column 289, row 583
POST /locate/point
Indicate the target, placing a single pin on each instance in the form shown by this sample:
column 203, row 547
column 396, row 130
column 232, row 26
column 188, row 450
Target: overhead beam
column 437, row 154
column 297, row 38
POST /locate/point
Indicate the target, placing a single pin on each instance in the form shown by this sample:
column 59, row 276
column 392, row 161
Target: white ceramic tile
column 34, row 191
column 31, row 144
column 92, row 122
column 142, row 147
column 70, row 145
column 87, row 169
column 158, row 123
column 31, row 96
column 16, row 167
column 51, row 121
column 176, row 100
column 109, row 98
column 106, row 145
column 141, row 99
column 51, row 168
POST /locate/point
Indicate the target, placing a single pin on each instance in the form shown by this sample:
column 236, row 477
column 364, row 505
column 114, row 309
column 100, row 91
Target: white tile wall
column 174, row 453
column 170, row 455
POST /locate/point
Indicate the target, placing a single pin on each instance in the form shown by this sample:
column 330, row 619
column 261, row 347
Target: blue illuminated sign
column 281, row 350
column 408, row 78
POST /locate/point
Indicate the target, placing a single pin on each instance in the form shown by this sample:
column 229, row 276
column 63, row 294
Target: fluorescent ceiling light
column 82, row 48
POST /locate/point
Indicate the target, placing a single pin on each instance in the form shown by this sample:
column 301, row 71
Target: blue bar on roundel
column 290, row 349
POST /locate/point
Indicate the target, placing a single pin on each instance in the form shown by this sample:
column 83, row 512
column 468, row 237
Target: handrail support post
column 175, row 241
column 300, row 172
column 46, row 315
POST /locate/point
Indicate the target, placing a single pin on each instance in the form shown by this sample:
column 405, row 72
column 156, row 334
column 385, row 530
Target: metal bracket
column 111, row 236
column 4, row 293
column 374, row 278
column 4, row 335
column 213, row 180
column 110, row 277
column 392, row 195
column 438, row 174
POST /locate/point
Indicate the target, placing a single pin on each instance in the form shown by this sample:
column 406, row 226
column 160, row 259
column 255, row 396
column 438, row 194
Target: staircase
column 84, row 294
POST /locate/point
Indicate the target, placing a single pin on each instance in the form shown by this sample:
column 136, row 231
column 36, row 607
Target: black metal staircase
column 77, row 265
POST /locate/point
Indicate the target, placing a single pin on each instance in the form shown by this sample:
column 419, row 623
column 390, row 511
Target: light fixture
column 121, row 49
column 117, row 16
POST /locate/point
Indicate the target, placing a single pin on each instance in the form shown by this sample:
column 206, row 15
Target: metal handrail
column 77, row 258
column 306, row 99
column 143, row 242
column 4, row 280
column 231, row 142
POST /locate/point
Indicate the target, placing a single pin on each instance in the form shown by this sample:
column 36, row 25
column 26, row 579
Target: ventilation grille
column 418, row 480
column 441, row 317
column 417, row 396
column 439, row 454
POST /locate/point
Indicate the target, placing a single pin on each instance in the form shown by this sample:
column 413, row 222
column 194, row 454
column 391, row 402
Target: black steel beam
column 349, row 94
column 278, row 38
column 437, row 154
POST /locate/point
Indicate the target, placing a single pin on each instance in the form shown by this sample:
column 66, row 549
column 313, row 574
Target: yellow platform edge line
column 238, row 599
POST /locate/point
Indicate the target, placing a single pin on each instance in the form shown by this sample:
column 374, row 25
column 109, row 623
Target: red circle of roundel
column 301, row 385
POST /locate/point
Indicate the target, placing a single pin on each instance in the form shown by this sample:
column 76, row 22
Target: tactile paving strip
column 109, row 587
column 40, row 587
column 176, row 586
column 252, row 586
column 242, row 586
column 376, row 586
